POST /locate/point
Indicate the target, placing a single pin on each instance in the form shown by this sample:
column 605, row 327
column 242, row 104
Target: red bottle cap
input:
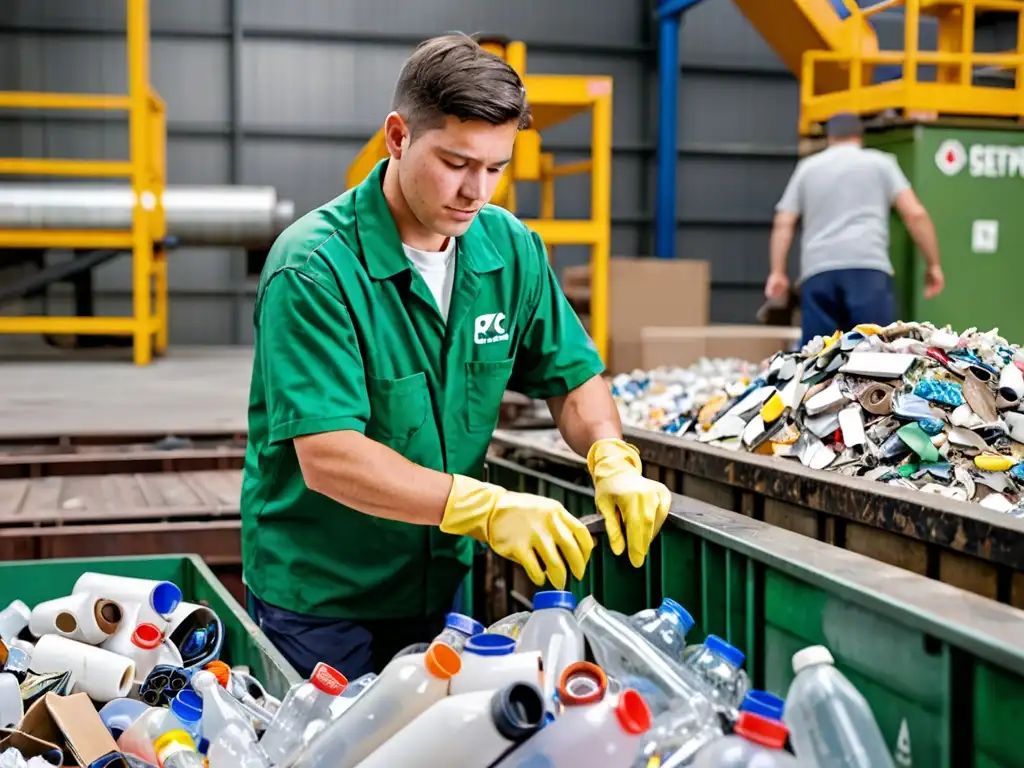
column 147, row 637
column 327, row 679
column 632, row 711
column 761, row 730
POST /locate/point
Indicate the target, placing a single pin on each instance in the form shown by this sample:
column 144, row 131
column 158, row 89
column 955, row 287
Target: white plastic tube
column 489, row 663
column 465, row 730
column 101, row 674
column 81, row 616
column 162, row 596
column 13, row 619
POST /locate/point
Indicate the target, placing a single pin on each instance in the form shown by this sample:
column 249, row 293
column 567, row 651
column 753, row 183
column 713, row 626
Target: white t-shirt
column 438, row 271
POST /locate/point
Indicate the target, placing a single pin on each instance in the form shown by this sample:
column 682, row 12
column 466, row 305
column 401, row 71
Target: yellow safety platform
column 553, row 99
column 146, row 169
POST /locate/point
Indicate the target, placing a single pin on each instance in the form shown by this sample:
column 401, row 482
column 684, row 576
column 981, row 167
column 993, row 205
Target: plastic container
column 665, row 627
column 236, row 747
column 162, row 596
column 406, row 688
column 303, row 705
column 458, row 628
column 830, row 723
column 82, row 617
column 138, row 739
column 678, row 734
column 187, row 707
column 470, row 729
column 119, row 715
column 176, row 749
column 718, row 665
column 227, row 703
column 13, row 620
column 553, row 631
column 765, row 704
column 352, row 691
column 12, row 707
column 625, row 654
column 511, row 626
column 757, row 742
column 490, row 662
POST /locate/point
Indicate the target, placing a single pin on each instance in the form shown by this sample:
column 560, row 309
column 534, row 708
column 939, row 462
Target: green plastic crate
column 244, row 643
column 943, row 669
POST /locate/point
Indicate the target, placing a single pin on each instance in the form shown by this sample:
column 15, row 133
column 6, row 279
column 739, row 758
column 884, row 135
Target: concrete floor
column 46, row 392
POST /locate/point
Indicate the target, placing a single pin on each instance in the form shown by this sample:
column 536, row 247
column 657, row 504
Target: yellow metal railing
column 146, row 170
column 553, row 99
column 952, row 93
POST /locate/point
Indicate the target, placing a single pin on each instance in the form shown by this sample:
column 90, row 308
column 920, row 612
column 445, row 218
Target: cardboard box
column 68, row 723
column 644, row 292
column 685, row 346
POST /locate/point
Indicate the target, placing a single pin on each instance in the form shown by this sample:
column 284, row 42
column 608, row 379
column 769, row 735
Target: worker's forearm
column 779, row 244
column 367, row 476
column 585, row 415
column 922, row 230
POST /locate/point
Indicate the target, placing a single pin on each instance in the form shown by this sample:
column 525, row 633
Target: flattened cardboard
column 68, row 723
column 683, row 346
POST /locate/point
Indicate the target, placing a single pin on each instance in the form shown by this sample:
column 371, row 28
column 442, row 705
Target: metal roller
column 250, row 217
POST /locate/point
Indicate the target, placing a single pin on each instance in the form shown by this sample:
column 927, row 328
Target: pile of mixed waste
column 910, row 405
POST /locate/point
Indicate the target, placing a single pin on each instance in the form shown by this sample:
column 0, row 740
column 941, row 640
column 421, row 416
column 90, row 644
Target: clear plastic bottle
column 176, row 749
column 718, row 665
column 236, row 747
column 457, row 629
column 830, row 722
column 665, row 627
column 756, row 743
column 677, row 735
column 219, row 709
column 188, row 708
column 352, row 691
column 511, row 625
column 303, row 704
column 552, row 630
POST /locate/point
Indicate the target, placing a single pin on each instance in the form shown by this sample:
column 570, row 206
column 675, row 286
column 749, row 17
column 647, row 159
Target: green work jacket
column 348, row 337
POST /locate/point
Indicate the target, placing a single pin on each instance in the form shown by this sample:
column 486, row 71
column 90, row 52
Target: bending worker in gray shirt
column 844, row 195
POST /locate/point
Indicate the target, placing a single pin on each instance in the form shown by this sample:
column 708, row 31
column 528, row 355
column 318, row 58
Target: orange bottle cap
column 442, row 661
column 582, row 683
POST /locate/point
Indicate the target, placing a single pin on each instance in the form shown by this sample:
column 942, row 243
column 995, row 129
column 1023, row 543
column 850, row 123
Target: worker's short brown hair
column 453, row 75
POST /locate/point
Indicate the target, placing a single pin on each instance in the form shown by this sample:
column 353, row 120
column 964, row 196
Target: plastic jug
column 718, row 665
column 458, row 629
column 236, row 747
column 665, row 627
column 830, row 722
column 625, row 654
column 470, row 729
column 352, row 691
column 119, row 715
column 405, row 689
column 553, row 631
column 138, row 739
column 757, row 742
column 489, row 662
column 303, row 705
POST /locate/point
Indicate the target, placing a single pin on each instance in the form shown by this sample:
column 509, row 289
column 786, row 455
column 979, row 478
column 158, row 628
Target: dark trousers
column 354, row 649
column 842, row 298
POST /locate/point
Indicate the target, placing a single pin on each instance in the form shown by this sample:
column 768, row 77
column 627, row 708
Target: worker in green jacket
column 388, row 324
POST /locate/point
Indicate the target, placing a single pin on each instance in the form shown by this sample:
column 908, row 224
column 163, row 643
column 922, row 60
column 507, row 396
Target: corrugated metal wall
column 285, row 93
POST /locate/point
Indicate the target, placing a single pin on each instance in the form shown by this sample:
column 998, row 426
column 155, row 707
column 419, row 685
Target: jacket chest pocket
column 485, row 384
column 398, row 408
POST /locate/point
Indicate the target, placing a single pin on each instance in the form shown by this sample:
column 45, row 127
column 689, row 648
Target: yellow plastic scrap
column 773, row 408
column 767, row 448
column 829, row 341
column 993, row 462
column 786, row 436
column 868, row 329
column 710, row 408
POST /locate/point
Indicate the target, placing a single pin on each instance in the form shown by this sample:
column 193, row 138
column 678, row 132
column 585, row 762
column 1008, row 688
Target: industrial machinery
column 553, row 99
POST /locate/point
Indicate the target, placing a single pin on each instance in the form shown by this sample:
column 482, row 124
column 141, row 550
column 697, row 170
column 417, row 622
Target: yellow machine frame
column 146, row 168
column 553, row 99
column 953, row 92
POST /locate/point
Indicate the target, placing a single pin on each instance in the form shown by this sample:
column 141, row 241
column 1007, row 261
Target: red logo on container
column 951, row 157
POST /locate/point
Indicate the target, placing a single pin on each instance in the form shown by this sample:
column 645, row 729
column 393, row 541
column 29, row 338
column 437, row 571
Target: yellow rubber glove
column 621, row 491
column 519, row 526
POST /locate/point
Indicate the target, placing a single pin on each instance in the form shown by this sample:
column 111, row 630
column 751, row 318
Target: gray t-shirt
column 844, row 195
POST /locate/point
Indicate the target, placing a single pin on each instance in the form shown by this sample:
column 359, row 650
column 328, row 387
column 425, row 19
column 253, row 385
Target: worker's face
column 448, row 174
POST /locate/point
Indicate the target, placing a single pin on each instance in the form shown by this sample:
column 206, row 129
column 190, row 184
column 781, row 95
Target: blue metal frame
column 669, row 19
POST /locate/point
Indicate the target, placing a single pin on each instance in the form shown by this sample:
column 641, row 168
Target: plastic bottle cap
column 464, row 624
column 172, row 737
column 633, row 712
column 761, row 730
column 517, row 710
column 764, row 703
column 185, row 709
column 811, row 656
column 554, row 598
column 582, row 683
column 327, row 679
column 147, row 637
column 442, row 661
column 166, row 598
column 730, row 653
column 490, row 644
column 671, row 606
column 221, row 671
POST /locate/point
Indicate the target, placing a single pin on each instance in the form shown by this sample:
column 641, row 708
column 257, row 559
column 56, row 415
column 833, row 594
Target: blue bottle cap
column 764, row 703
column 671, row 606
column 490, row 644
column 554, row 598
column 730, row 653
column 464, row 624
column 184, row 711
column 165, row 598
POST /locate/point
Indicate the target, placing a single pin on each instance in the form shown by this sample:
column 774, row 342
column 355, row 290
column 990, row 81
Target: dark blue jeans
column 842, row 298
column 352, row 649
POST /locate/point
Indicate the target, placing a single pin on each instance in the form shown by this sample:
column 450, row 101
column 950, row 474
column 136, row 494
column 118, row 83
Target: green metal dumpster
column 244, row 643
column 943, row 669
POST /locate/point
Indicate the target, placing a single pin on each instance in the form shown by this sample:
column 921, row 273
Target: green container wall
column 942, row 669
column 982, row 289
column 244, row 644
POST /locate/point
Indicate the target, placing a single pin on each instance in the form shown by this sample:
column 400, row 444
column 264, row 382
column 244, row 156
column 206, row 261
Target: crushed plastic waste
column 566, row 684
column 909, row 405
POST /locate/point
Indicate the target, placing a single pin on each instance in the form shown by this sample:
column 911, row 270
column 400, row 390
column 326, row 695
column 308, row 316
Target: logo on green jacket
column 488, row 329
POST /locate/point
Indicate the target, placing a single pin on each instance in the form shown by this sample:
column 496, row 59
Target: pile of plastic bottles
column 523, row 693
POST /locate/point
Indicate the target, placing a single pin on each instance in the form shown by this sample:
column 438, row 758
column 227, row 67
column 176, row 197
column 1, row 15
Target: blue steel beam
column 669, row 15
